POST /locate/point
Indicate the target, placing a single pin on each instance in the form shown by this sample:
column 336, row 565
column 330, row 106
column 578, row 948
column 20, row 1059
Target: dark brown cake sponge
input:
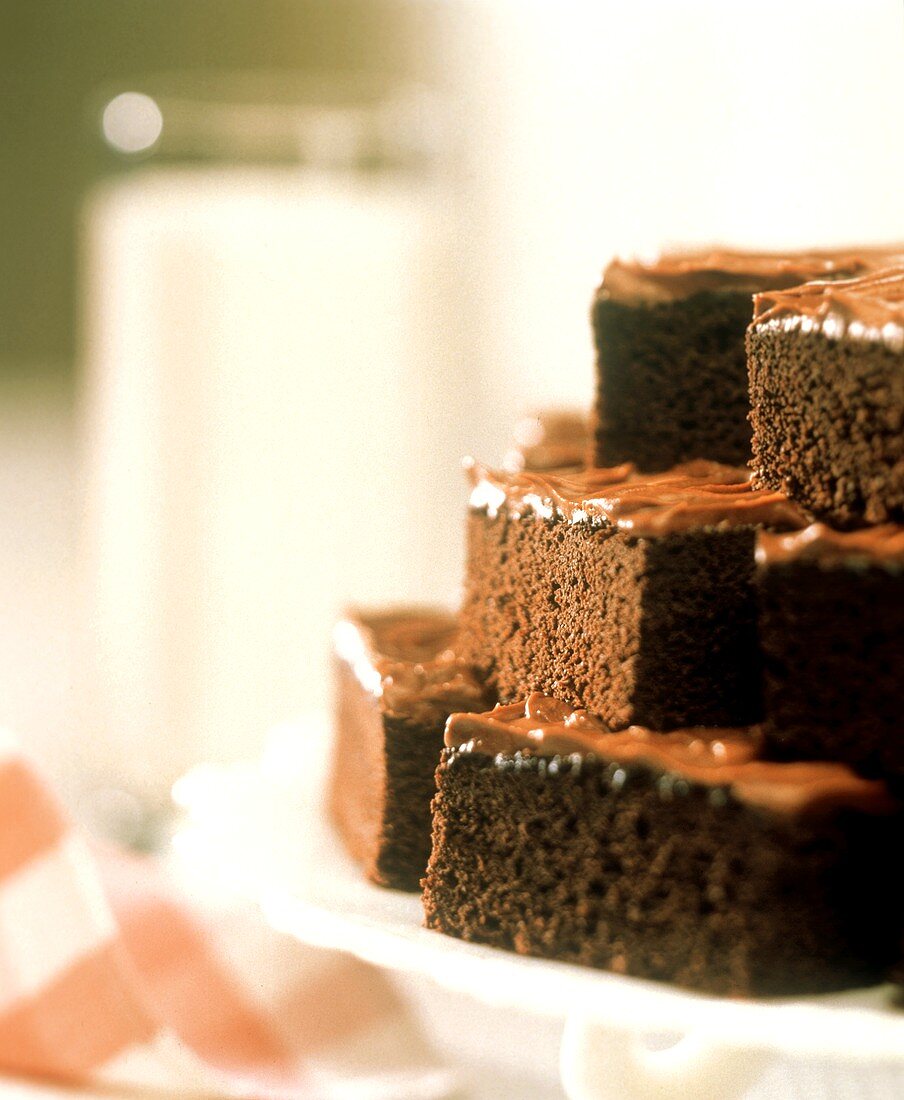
column 397, row 680
column 613, row 866
column 828, row 424
column 826, row 366
column 659, row 632
column 831, row 625
column 672, row 381
column 669, row 333
column 626, row 593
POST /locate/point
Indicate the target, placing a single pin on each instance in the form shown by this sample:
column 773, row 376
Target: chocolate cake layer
column 627, row 594
column 826, row 366
column 673, row 857
column 671, row 369
column 397, row 680
column 832, row 636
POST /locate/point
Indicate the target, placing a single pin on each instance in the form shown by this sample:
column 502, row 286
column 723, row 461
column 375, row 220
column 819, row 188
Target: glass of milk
column 274, row 403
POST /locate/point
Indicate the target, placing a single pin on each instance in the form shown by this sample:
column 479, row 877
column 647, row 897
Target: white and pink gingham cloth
column 107, row 976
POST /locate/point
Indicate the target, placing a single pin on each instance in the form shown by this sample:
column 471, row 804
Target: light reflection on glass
column 132, row 122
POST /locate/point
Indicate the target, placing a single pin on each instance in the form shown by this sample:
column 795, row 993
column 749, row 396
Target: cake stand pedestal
column 262, row 830
column 599, row 1062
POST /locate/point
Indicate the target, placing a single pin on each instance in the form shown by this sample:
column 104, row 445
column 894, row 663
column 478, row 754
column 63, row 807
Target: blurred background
column 269, row 268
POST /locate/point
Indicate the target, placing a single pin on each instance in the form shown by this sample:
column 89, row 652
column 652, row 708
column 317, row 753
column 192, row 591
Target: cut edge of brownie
column 826, row 371
column 614, row 863
column 628, row 594
column 671, row 381
column 669, row 333
column 397, row 680
column 831, row 624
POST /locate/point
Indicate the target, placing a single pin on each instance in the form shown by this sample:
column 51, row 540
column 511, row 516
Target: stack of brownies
column 694, row 635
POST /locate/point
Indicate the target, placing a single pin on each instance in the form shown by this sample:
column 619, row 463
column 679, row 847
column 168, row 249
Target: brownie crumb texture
column 610, row 867
column 658, row 632
column 833, row 652
column 828, row 423
column 672, row 381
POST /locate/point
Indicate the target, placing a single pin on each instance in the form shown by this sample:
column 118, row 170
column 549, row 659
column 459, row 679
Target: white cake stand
column 623, row 1038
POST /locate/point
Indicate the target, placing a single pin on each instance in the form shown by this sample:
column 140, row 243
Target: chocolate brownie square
column 676, row 857
column 671, row 369
column 397, row 680
column 832, row 636
column 826, row 367
column 631, row 595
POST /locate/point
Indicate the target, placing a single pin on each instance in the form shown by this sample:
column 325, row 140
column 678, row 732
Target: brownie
column 397, row 681
column 832, row 636
column 548, row 440
column 671, row 369
column 628, row 594
column 675, row 857
column 827, row 397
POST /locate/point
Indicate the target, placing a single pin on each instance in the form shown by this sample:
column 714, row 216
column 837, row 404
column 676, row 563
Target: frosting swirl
column 673, row 275
column 870, row 307
column 543, row 726
column 406, row 658
column 880, row 545
column 695, row 494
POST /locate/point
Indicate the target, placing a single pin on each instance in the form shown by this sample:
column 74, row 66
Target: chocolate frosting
column 406, row 658
column 543, row 726
column 694, row 494
column 549, row 440
column 870, row 307
column 679, row 274
column 880, row 545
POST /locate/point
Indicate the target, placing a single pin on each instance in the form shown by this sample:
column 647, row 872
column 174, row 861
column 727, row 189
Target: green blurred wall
column 55, row 54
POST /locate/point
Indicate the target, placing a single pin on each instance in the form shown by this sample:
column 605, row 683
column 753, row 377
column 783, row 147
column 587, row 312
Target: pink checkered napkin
column 107, row 977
